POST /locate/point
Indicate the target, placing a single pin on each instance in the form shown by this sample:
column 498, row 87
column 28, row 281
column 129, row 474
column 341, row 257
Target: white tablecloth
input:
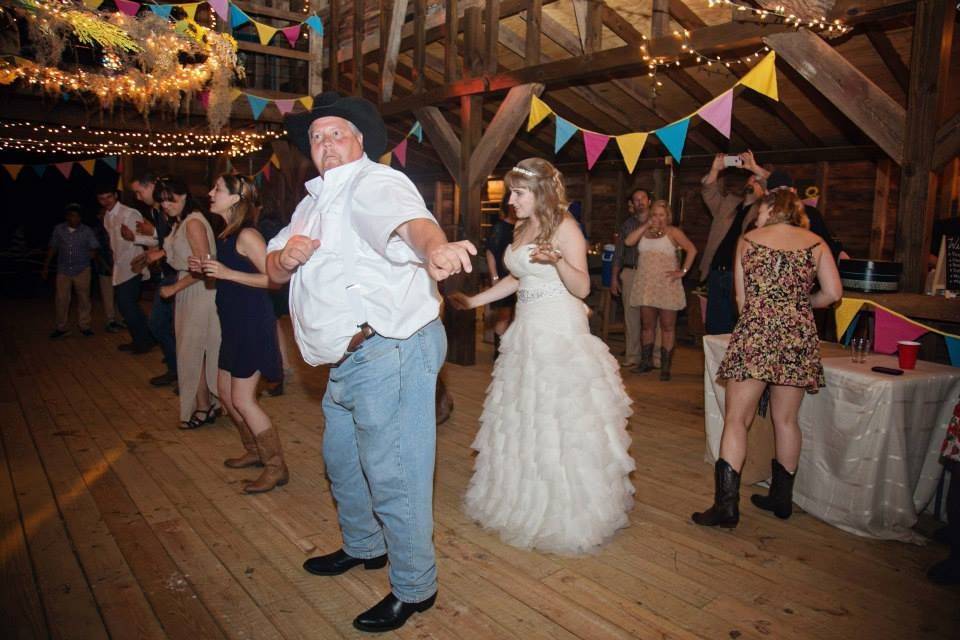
column 871, row 441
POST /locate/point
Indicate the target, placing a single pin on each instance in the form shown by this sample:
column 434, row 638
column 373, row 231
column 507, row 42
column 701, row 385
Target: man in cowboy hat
column 362, row 255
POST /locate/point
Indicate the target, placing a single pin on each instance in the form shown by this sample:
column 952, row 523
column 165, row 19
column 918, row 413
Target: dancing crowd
column 362, row 257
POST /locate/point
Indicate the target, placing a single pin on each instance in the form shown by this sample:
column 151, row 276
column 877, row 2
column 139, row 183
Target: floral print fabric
column 950, row 450
column 775, row 339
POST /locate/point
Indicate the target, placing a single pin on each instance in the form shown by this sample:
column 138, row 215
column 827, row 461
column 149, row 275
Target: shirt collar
column 335, row 177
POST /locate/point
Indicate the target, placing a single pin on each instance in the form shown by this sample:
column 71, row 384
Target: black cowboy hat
column 361, row 112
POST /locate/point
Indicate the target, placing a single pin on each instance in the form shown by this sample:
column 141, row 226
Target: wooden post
column 492, row 24
column 398, row 14
column 532, row 51
column 621, row 199
column 881, row 202
column 660, row 19
column 823, row 180
column 450, row 42
column 930, row 64
column 419, row 44
column 358, row 33
column 333, row 36
column 586, row 210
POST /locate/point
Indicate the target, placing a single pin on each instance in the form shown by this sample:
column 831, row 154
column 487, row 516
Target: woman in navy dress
column 249, row 347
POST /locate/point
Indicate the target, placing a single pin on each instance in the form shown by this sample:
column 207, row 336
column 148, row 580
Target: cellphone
column 732, row 161
column 888, row 371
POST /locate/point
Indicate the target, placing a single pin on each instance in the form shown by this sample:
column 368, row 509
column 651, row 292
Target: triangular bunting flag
column 265, row 32
column 564, row 132
column 110, row 161
column 13, row 169
column 220, row 6
column 266, row 171
column 594, row 143
column 190, row 9
column 385, row 158
column 275, row 160
column 87, row 165
column 65, row 168
column 417, row 131
column 40, row 169
column 315, row 23
column 538, row 111
column 307, row 102
column 237, row 17
column 65, row 96
column 204, row 99
column 763, row 77
column 229, row 167
column 162, row 10
column 258, row 180
column 292, row 34
column 845, row 312
column 890, row 329
column 953, row 348
column 631, row 144
column 92, row 4
column 234, row 94
column 182, row 26
column 257, row 105
column 285, row 106
column 674, row 136
column 401, row 152
column 718, row 112
column 127, row 8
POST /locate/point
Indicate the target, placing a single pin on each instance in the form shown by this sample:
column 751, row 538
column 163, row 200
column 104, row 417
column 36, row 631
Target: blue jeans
column 127, row 296
column 379, row 447
column 161, row 326
column 721, row 309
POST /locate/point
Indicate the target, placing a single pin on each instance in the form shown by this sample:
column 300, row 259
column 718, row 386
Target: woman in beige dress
column 196, row 324
column 657, row 285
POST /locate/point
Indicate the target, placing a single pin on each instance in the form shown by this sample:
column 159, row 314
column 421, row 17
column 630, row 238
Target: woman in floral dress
column 775, row 343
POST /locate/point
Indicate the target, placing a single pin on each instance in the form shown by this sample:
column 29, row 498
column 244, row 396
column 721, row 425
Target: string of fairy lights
column 75, row 141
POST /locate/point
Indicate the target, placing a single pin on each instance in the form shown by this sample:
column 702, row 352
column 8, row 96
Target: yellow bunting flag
column 307, row 102
column 265, row 32
column 845, row 312
column 234, row 94
column 190, row 9
column 763, row 77
column 385, row 158
column 275, row 160
column 92, row 4
column 13, row 169
column 87, row 165
column 538, row 111
column 631, row 144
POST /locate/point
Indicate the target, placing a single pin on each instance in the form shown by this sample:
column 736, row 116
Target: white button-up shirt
column 123, row 250
column 398, row 296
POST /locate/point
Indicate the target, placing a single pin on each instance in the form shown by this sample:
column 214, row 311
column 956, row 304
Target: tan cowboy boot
column 251, row 457
column 275, row 474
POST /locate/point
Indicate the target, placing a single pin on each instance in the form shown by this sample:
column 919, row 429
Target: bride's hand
column 460, row 301
column 545, row 253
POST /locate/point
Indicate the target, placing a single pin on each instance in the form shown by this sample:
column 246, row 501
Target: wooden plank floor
column 115, row 524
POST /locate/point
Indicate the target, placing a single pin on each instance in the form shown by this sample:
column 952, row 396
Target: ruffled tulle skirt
column 552, row 468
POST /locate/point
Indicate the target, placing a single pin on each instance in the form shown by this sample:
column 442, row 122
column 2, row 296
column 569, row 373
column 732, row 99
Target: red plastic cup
column 907, row 352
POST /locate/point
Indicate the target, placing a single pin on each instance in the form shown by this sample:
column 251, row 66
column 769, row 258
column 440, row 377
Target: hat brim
column 362, row 113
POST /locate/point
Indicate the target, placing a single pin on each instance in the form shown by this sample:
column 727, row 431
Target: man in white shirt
column 120, row 222
column 362, row 255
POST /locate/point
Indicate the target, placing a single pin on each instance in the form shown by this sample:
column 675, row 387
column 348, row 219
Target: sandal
column 201, row 417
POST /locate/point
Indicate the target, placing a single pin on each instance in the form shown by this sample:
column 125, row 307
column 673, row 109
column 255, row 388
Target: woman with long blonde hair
column 552, row 469
column 250, row 349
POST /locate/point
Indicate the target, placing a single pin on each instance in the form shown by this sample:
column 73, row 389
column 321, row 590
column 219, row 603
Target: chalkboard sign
column 952, row 259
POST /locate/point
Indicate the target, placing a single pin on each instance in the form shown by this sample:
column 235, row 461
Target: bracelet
column 494, row 278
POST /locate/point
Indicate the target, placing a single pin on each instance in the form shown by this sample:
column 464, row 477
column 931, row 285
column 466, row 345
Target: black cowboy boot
column 646, row 359
column 666, row 358
column 725, row 511
column 780, row 498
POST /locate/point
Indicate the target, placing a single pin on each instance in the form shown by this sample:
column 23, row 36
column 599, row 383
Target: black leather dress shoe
column 390, row 613
column 333, row 564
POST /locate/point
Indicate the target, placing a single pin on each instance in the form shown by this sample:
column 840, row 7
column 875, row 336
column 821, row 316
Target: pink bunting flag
column 65, row 168
column 594, row 143
column 889, row 329
column 292, row 34
column 718, row 112
column 266, row 171
column 401, row 152
column 128, row 8
column 285, row 106
column 220, row 6
column 205, row 99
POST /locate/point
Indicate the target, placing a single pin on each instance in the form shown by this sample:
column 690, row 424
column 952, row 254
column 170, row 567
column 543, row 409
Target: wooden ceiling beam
column 398, row 14
column 873, row 111
column 889, row 55
column 947, row 144
column 501, row 131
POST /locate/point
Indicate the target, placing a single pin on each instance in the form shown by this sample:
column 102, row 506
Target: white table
column 871, row 441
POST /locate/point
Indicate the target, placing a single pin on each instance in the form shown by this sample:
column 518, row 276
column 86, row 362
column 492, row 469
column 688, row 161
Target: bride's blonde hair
column 550, row 197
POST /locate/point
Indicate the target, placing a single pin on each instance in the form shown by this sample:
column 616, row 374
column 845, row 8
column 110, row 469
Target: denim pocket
column 375, row 348
column 433, row 346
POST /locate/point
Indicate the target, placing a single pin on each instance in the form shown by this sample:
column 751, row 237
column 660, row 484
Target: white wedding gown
column 552, row 468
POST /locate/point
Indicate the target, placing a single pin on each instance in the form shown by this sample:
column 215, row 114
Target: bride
column 552, row 468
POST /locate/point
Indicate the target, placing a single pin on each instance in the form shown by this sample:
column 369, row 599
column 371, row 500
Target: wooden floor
column 117, row 525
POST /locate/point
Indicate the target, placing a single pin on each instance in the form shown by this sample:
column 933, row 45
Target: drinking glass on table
column 858, row 349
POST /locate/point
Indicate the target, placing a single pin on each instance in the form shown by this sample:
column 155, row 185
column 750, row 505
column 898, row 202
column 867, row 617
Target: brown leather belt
column 366, row 331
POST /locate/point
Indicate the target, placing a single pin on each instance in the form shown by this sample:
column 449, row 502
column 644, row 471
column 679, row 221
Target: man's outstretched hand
column 449, row 259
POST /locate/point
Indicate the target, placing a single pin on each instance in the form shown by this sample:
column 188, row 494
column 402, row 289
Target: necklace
column 655, row 234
